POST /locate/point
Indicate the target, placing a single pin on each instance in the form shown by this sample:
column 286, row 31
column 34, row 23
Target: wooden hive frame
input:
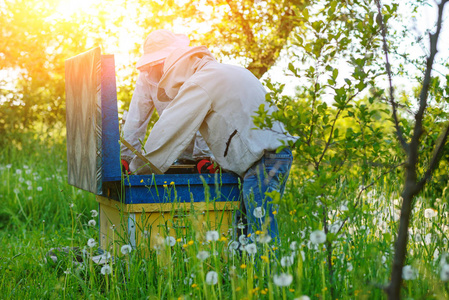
column 130, row 205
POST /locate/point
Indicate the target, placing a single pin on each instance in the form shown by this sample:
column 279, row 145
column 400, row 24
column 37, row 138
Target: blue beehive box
column 136, row 207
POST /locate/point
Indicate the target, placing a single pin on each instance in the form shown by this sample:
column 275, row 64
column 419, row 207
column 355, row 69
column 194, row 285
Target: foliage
column 58, row 216
column 344, row 133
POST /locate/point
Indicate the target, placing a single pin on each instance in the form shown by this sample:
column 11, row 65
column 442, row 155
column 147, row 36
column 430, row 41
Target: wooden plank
column 167, row 207
column 83, row 118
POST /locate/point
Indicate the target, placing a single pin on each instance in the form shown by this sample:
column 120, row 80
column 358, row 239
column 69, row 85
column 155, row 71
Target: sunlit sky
column 425, row 20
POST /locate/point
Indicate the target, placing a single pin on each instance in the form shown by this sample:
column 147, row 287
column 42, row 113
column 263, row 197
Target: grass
column 40, row 211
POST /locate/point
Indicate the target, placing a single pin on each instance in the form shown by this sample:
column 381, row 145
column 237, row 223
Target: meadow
column 40, row 211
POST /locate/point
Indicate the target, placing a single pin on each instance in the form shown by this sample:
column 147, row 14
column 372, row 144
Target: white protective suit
column 217, row 99
column 142, row 106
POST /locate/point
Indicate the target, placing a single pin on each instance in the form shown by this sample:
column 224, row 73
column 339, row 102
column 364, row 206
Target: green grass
column 40, row 211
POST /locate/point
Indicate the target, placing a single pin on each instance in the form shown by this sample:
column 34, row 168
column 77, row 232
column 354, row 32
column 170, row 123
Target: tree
column 35, row 41
column 250, row 31
column 416, row 161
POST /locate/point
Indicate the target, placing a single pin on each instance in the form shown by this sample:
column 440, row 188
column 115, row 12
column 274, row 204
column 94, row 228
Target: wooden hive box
column 136, row 208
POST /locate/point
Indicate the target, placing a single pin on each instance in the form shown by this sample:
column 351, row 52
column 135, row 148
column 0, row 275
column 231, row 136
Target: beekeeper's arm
column 177, row 126
column 140, row 111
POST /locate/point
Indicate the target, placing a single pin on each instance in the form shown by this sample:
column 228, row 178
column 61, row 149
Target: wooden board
column 83, row 117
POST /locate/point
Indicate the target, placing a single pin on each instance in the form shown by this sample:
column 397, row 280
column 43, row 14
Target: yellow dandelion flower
column 223, row 239
column 141, row 181
column 275, row 212
column 190, row 243
column 249, row 234
column 165, row 185
column 264, row 258
column 172, row 183
column 185, row 246
column 242, row 266
column 258, row 232
column 263, row 292
column 179, row 240
column 291, row 290
column 194, row 285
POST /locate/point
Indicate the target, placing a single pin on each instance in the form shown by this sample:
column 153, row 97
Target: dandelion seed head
column 92, row 222
column 263, row 238
column 283, row 279
column 318, row 237
column 91, row 243
column 126, row 249
column 293, row 245
column 233, row 245
column 212, row 236
column 202, row 255
column 105, row 270
column 444, row 273
column 286, row 261
column 259, row 212
column 170, row 241
column 18, row 171
column 409, row 273
column 211, row 278
column 430, row 213
column 251, row 249
column 94, row 213
column 243, row 239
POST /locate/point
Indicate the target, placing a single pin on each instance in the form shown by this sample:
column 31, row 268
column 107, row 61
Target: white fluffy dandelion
column 212, row 236
column 287, row 261
column 318, row 237
column 92, row 222
column 126, row 249
column 39, row 189
column 444, row 274
column 259, row 212
column 105, row 270
column 303, row 297
column 251, row 249
column 211, row 278
column 233, row 245
column 430, row 213
column 293, row 245
column 263, row 238
column 282, row 279
column 409, row 273
column 243, row 240
column 170, row 241
column 91, row 243
column 94, row 213
column 202, row 255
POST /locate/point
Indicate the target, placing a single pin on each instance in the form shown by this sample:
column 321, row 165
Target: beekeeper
column 144, row 102
column 218, row 100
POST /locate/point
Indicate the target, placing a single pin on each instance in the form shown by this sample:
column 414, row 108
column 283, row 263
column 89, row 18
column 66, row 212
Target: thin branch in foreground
column 393, row 103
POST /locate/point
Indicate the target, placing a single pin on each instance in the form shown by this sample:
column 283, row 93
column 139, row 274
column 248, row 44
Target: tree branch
column 393, row 103
column 435, row 158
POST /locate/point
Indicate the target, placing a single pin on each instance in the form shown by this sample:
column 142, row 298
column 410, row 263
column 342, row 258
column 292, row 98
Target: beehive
column 133, row 208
